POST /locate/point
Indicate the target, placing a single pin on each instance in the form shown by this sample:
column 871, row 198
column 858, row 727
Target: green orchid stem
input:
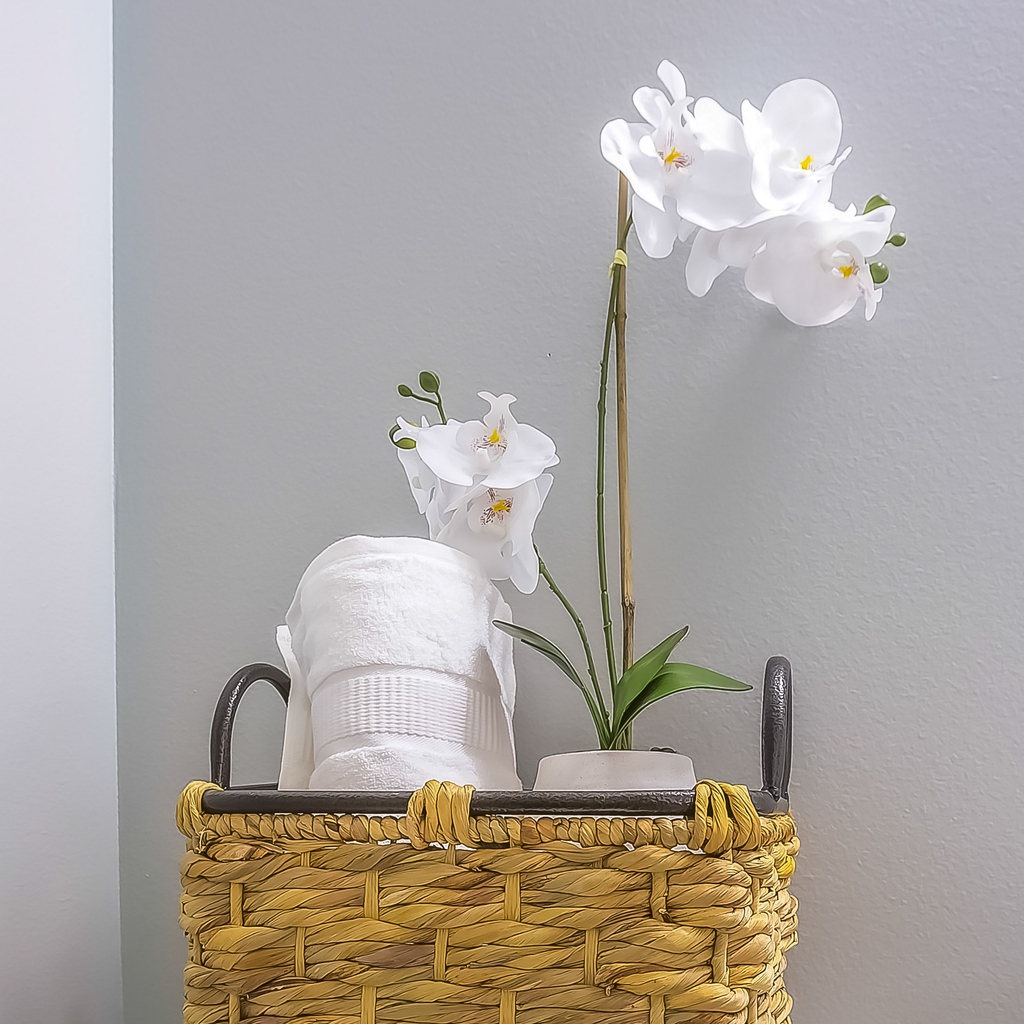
column 436, row 403
column 602, row 411
column 582, row 630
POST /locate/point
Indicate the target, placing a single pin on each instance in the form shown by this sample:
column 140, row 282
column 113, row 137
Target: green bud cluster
column 430, row 384
column 879, row 271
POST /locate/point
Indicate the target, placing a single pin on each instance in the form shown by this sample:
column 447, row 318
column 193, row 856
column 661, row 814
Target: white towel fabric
column 398, row 675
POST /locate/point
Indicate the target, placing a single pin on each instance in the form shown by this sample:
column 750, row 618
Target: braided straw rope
column 438, row 917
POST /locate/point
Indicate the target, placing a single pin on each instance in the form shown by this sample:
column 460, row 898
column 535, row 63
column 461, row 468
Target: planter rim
column 626, row 770
column 615, row 753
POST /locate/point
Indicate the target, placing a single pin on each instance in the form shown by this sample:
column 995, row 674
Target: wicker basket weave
column 445, row 916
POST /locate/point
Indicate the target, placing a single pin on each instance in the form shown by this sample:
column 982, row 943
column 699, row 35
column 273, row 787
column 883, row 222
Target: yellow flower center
column 495, row 437
column 496, row 509
column 673, row 156
column 805, row 164
column 846, row 271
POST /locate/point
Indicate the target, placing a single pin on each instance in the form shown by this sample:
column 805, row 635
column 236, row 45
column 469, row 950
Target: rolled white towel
column 398, row 675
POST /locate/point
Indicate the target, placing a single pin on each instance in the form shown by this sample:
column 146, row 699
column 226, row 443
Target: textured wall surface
column 316, row 200
column 60, row 957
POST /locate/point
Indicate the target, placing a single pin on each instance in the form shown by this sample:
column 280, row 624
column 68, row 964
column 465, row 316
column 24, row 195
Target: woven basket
column 300, row 908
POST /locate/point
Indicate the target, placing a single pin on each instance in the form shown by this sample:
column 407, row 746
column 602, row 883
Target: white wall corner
column 58, row 866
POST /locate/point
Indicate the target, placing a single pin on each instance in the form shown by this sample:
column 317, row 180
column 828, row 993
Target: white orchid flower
column 496, row 451
column 815, row 269
column 432, row 496
column 793, row 140
column 813, row 266
column 481, row 485
column 495, row 526
column 687, row 167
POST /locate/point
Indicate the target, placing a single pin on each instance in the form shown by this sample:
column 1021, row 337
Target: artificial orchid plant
column 754, row 193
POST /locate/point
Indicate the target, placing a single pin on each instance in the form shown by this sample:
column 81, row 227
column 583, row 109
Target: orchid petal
column 647, row 147
column 620, row 146
column 788, row 190
column 703, row 265
column 532, row 496
column 437, row 512
column 758, row 279
column 499, row 409
column 803, row 289
column 656, row 230
column 738, row 246
column 760, row 178
column 871, row 301
column 869, row 231
column 716, row 128
column 458, row 534
column 651, row 104
column 811, row 299
column 672, row 79
column 718, row 194
column 524, row 570
column 440, row 449
column 804, row 116
column 756, row 131
column 532, row 453
column 502, row 543
column 421, row 478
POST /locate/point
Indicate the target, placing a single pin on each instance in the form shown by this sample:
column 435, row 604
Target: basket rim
column 514, row 803
column 724, row 817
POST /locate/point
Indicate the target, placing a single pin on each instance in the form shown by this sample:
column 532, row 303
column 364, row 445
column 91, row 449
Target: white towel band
column 405, row 702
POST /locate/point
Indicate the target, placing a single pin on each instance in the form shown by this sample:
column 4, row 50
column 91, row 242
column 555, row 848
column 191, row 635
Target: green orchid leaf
column 636, row 678
column 555, row 654
column 879, row 273
column 673, row 678
column 430, row 382
column 875, row 202
column 897, row 239
column 405, row 391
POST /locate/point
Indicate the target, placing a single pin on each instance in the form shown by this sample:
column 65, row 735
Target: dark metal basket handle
column 777, row 727
column 227, row 708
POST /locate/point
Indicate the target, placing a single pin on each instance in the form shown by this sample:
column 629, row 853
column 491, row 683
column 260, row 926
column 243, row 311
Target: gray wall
column 315, row 200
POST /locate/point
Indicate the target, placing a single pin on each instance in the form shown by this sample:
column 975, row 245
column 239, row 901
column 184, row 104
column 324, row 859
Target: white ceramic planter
column 593, row 770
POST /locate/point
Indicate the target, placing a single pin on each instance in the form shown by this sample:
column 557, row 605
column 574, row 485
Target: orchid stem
column 581, row 629
column 436, row 403
column 602, row 411
column 622, row 441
